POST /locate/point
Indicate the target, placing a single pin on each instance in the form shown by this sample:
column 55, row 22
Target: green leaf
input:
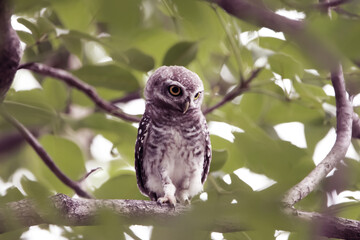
column 135, row 59
column 74, row 45
column 74, row 15
column 31, row 26
column 34, row 189
column 219, row 158
column 55, row 93
column 122, row 186
column 30, row 107
column 66, row 155
column 276, row 159
column 315, row 95
column 108, row 76
column 285, row 65
column 181, row 53
column 12, row 194
column 26, row 37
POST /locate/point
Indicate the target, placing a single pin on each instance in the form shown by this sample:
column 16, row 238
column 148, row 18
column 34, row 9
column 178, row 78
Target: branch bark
column 10, row 50
column 344, row 116
column 63, row 210
column 34, row 143
column 73, row 81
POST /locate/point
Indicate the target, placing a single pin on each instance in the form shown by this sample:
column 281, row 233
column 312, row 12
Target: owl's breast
column 179, row 149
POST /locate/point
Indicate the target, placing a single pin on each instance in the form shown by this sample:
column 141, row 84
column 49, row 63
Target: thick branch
column 238, row 90
column 73, row 81
column 64, row 210
column 344, row 115
column 10, row 50
column 329, row 4
column 29, row 137
column 335, row 227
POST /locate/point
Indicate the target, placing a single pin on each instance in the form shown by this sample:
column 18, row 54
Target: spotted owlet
column 173, row 150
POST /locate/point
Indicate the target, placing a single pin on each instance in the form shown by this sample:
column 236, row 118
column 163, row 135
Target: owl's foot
column 183, row 197
column 167, row 199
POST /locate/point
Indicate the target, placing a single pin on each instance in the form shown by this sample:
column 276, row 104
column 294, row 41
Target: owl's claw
column 167, row 199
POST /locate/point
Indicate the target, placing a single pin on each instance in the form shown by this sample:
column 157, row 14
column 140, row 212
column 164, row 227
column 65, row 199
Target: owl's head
column 175, row 87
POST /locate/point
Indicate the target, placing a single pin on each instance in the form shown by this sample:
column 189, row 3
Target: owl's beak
column 185, row 106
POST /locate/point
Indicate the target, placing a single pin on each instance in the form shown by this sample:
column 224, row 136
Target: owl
column 173, row 149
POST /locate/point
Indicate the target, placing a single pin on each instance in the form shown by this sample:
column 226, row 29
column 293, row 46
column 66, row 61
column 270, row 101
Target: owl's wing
column 207, row 155
column 139, row 153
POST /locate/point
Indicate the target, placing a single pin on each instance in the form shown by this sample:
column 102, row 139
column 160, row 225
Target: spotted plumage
column 173, row 149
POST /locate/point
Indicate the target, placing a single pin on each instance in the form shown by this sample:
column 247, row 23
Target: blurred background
column 264, row 141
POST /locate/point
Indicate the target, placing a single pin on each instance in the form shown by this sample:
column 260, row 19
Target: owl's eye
column 197, row 96
column 174, row 90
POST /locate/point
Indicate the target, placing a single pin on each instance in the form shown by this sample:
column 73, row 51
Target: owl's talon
column 167, row 199
column 186, row 202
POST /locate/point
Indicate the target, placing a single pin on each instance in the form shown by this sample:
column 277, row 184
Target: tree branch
column 63, row 210
column 344, row 115
column 29, row 137
column 242, row 87
column 330, row 4
column 73, row 81
column 335, row 227
column 10, row 50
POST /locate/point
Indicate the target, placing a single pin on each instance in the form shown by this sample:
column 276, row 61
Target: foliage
column 112, row 45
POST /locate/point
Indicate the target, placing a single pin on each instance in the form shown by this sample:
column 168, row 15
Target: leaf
column 181, row 54
column 55, row 93
column 135, row 59
column 12, row 194
column 34, row 189
column 285, row 65
column 26, row 37
column 30, row 107
column 271, row 157
column 31, row 26
column 219, row 158
column 66, row 155
column 108, row 76
column 315, row 95
column 73, row 15
column 122, row 186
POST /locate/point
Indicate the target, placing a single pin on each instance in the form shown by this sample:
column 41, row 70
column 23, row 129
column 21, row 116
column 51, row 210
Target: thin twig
column 34, row 143
column 344, row 114
column 242, row 87
column 89, row 173
column 127, row 98
column 73, row 81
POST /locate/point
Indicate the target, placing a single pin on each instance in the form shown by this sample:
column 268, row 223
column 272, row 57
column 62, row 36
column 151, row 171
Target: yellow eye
column 197, row 96
column 174, row 90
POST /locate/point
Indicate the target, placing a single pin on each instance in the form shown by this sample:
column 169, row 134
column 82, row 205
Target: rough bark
column 344, row 118
column 63, row 210
column 10, row 50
